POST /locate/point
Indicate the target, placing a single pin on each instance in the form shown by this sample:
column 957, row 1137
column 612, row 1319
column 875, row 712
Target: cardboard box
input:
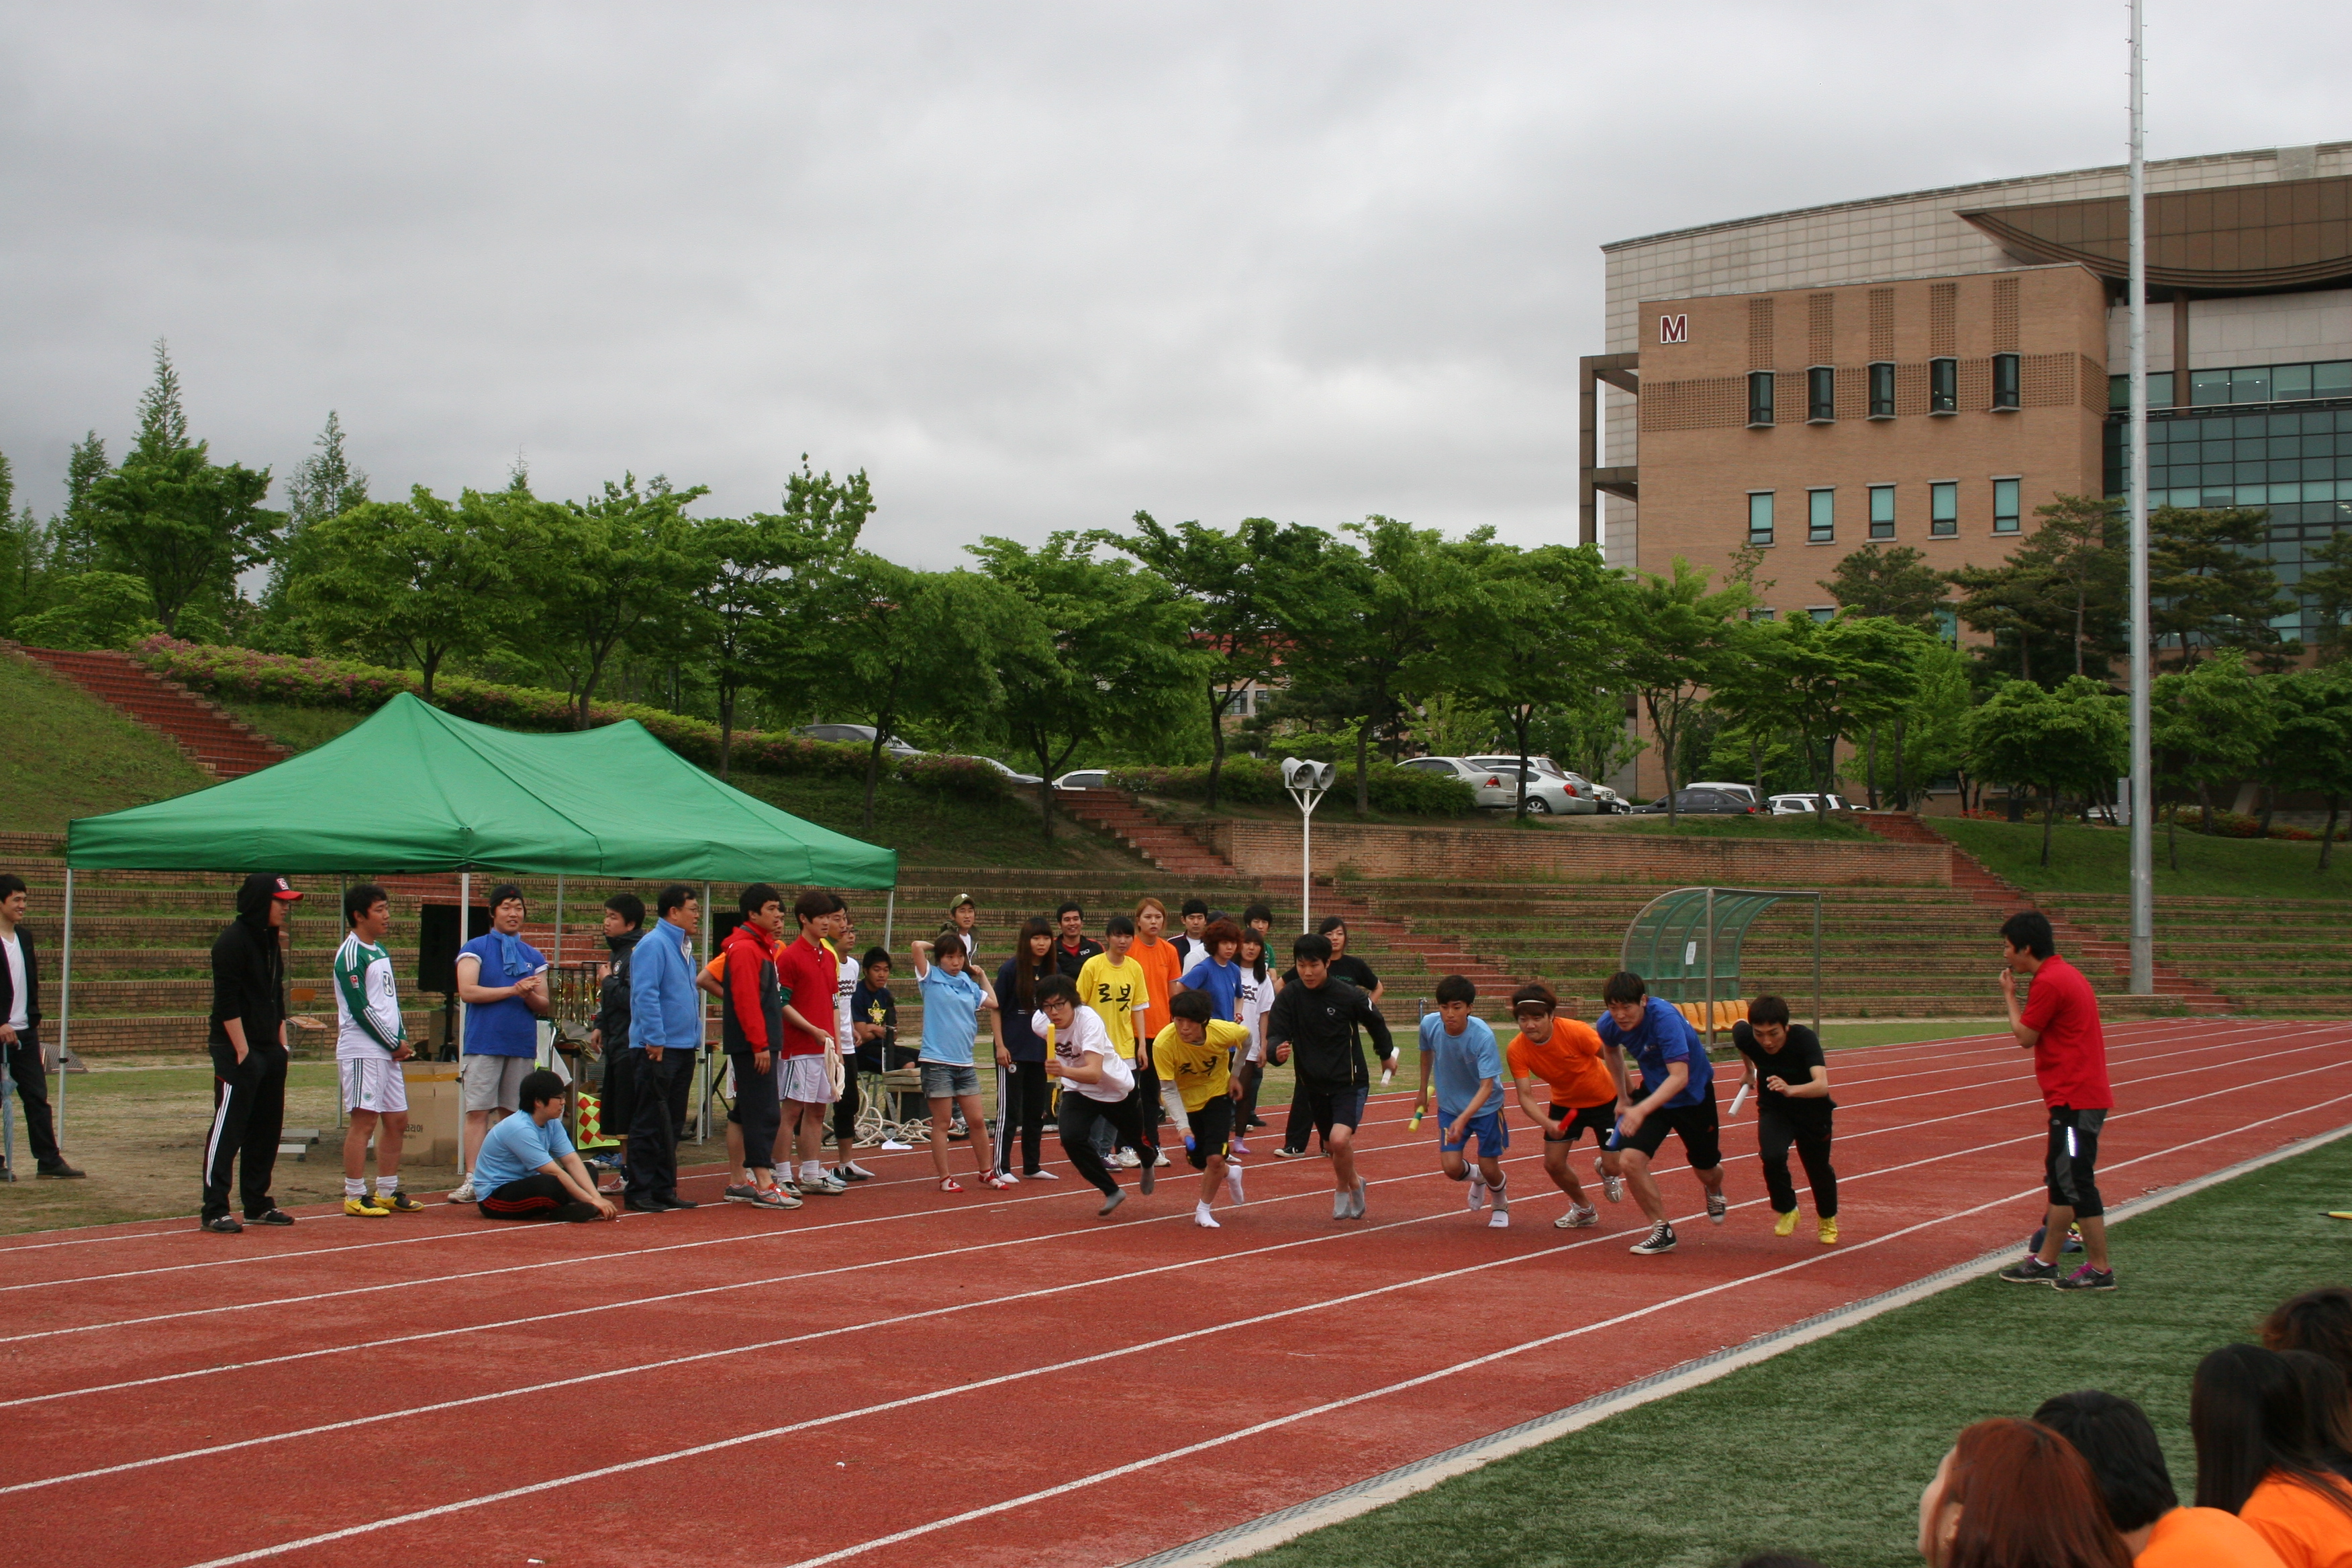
column 434, row 1099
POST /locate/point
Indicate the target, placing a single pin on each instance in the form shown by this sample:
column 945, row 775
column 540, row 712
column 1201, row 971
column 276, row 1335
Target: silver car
column 1584, row 799
column 1799, row 804
column 1498, row 788
column 1012, row 775
column 856, row 735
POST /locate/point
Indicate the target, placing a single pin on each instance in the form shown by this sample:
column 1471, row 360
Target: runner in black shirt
column 1356, row 973
column 1316, row 1019
column 1792, row 1083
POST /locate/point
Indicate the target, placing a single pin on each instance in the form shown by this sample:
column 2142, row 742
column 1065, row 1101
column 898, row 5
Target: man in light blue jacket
column 665, row 1033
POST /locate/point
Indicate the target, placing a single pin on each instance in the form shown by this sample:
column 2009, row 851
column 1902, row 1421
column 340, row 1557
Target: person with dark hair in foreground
column 527, row 1168
column 2259, row 1457
column 2013, row 1494
column 2317, row 1320
column 2115, row 1439
column 2059, row 1023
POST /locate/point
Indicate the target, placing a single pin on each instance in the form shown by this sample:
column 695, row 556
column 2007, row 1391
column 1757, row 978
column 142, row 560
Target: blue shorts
column 1486, row 1127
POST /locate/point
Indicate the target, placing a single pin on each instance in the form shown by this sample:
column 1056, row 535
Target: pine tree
column 324, row 484
column 162, row 422
column 73, row 535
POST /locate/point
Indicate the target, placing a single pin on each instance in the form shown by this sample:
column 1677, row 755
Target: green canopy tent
column 416, row 790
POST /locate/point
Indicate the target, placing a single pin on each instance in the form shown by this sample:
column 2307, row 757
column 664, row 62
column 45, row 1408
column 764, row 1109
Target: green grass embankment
column 2088, row 859
column 70, row 755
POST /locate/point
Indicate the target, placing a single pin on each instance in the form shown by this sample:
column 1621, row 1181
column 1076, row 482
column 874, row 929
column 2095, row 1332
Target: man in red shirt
column 807, row 975
column 2059, row 1024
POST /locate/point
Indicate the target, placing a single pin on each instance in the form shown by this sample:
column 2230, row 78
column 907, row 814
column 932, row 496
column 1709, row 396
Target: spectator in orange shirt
column 2114, row 1436
column 2258, row 1456
column 2017, row 1494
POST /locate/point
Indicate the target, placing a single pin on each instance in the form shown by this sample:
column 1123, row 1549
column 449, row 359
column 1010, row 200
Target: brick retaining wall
column 1270, row 850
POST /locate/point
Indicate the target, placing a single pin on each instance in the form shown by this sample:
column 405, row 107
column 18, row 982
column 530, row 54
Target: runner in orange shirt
column 1568, row 1055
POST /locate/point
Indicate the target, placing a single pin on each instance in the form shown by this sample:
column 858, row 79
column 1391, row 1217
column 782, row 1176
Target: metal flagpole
column 2143, row 793
column 65, row 1010
column 1710, row 966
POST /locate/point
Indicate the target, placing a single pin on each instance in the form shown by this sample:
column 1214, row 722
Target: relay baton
column 1739, row 1100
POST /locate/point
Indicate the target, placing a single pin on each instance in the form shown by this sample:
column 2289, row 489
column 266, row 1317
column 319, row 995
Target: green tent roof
column 414, row 789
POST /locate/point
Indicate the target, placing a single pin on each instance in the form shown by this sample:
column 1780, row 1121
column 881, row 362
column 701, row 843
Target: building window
column 2004, row 381
column 1943, row 507
column 1760, row 398
column 1821, row 395
column 1822, row 613
column 1882, row 391
column 1948, row 626
column 1763, row 613
column 1820, row 517
column 1760, row 517
column 2005, row 506
column 1882, row 511
column 1942, row 386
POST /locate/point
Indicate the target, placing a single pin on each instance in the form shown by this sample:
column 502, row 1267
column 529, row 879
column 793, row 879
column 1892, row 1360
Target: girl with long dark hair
column 2261, row 1457
column 1021, row 1088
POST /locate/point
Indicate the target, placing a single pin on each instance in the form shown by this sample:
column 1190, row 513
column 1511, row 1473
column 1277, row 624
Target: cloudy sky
column 1030, row 266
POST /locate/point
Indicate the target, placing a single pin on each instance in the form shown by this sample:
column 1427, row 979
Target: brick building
column 1928, row 368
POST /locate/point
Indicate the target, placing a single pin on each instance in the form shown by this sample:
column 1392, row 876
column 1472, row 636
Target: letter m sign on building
column 1673, row 329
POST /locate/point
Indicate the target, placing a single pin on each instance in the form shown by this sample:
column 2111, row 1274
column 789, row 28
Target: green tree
column 2076, row 737
column 73, row 532
column 2077, row 553
column 1105, row 651
column 2215, row 719
column 1535, row 634
column 2206, row 590
column 614, row 565
column 2314, row 740
column 324, row 484
column 2330, row 589
column 418, row 580
column 1931, row 731
column 94, row 609
column 1679, row 642
column 1234, row 586
column 1896, row 584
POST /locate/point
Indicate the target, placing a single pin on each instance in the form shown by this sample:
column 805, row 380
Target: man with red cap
column 248, row 1050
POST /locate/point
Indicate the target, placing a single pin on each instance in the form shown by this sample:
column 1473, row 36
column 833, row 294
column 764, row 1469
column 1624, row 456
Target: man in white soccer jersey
column 370, row 1044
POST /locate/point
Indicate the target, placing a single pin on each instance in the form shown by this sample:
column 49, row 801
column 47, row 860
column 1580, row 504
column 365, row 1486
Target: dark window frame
column 1878, row 523
column 1943, row 386
column 1816, row 530
column 2005, row 382
column 1821, row 395
column 1882, row 389
column 2014, row 519
column 1762, row 536
column 1759, row 399
column 1943, row 527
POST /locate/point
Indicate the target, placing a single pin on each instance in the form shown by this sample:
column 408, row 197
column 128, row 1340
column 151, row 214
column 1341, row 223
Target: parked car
column 1498, row 787
column 1085, row 778
column 1609, row 802
column 1012, row 775
column 1747, row 792
column 1698, row 802
column 856, row 735
column 1581, row 800
column 1799, row 804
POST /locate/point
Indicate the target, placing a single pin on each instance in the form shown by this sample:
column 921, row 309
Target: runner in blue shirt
column 1459, row 1052
column 1678, row 1097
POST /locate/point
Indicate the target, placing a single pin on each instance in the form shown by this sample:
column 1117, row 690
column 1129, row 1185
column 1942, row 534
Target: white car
column 856, row 735
column 1746, row 791
column 1584, row 802
column 1611, row 803
column 1085, row 778
column 1498, row 788
column 1012, row 775
column 1799, row 804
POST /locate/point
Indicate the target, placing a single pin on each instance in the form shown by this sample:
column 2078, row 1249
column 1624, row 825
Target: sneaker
column 364, row 1207
column 270, row 1216
column 1286, row 1152
column 1343, row 1205
column 2087, row 1278
column 852, row 1172
column 1478, row 1196
column 1128, row 1160
column 1009, row 1178
column 741, row 1193
column 675, row 1202
column 1660, row 1239
column 1357, row 1199
column 1256, row 1123
column 774, row 1198
column 959, row 1133
column 998, row 1181
column 59, row 1171
column 1204, row 1218
column 2073, row 1242
column 950, row 1184
column 1786, row 1225
column 222, row 1223
column 1234, row 1182
column 1111, row 1200
column 2031, row 1271
column 1499, row 1220
column 1611, row 1187
column 892, row 1146
column 1580, row 1216
column 823, row 1185
column 1716, row 1208
column 1828, row 1230
column 790, row 1186
column 1240, row 1147
column 1039, row 1175
column 463, row 1195
column 398, row 1202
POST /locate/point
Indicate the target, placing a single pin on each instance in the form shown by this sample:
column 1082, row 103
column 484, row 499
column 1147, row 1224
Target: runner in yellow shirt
column 1193, row 1052
column 1116, row 988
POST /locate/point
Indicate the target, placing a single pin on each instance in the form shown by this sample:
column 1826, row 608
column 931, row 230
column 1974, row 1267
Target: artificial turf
column 1822, row 1450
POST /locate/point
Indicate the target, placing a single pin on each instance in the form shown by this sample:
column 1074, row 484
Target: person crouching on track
column 1194, row 1052
column 1460, row 1053
column 1567, row 1054
column 1678, row 1097
column 1097, row 1085
column 526, row 1169
column 1792, row 1105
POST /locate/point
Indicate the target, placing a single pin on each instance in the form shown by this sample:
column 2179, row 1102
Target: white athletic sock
column 1204, row 1218
column 354, row 1186
column 1501, row 1193
column 811, row 1171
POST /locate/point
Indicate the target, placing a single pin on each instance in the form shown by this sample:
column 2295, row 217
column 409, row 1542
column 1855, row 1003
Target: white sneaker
column 1501, row 1220
column 1128, row 1160
column 1613, row 1188
column 1204, row 1218
column 463, row 1194
column 824, row 1183
column 1580, row 1216
column 1009, row 1176
column 1477, row 1198
column 1234, row 1182
column 892, row 1146
column 1041, row 1175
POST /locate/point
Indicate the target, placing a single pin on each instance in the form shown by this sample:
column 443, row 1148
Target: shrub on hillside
column 966, row 778
column 1248, row 782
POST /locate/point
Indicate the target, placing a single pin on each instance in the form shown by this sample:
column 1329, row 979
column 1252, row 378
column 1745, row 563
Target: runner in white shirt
column 1096, row 1085
column 371, row 1042
column 1260, row 981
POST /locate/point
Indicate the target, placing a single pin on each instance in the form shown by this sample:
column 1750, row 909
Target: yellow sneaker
column 1786, row 1225
column 398, row 1202
column 1829, row 1230
column 364, row 1207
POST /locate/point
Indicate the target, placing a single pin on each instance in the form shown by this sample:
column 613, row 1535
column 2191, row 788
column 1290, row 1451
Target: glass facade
column 2244, row 384
column 1820, row 517
column 1882, row 511
column 2292, row 456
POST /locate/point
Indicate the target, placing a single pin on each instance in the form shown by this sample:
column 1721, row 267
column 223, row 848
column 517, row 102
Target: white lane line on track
column 726, row 1352
column 879, row 1219
column 624, row 1466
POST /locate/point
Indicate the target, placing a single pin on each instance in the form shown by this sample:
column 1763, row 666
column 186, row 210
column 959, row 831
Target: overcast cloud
column 1031, row 266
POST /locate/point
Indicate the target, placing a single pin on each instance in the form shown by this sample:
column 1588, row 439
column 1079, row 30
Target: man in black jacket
column 1317, row 1018
column 20, row 1029
column 248, row 1050
column 625, row 923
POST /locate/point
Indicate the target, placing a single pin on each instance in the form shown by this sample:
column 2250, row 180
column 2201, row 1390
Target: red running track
column 905, row 1376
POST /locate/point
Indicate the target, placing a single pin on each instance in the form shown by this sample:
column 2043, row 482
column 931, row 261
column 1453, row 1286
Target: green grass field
column 2085, row 860
column 1822, row 1450
column 70, row 755
column 292, row 724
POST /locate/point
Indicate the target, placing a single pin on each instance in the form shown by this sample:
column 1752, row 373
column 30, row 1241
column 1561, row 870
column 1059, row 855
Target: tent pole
column 702, row 1025
column 65, row 1010
column 889, row 916
column 465, row 923
column 559, row 920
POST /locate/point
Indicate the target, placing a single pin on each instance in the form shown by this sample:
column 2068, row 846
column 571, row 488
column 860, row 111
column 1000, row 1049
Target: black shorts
column 1568, row 1122
column 2072, row 1164
column 1342, row 1106
column 1694, row 1124
column 1213, row 1133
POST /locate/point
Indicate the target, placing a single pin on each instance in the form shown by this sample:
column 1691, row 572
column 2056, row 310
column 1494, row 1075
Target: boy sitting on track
column 1460, row 1052
column 1792, row 1106
column 1678, row 1097
column 525, row 1168
column 1193, row 1052
column 1567, row 1054
column 1097, row 1084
